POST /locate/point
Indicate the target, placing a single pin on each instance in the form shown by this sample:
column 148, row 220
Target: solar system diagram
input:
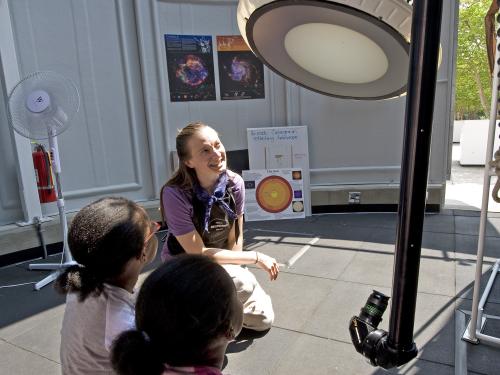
column 281, row 148
column 241, row 73
column 274, row 194
column 190, row 67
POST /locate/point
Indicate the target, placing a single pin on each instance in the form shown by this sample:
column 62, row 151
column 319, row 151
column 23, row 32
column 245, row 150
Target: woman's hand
column 268, row 264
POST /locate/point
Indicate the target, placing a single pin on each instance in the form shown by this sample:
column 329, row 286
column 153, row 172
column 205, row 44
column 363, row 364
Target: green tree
column 473, row 81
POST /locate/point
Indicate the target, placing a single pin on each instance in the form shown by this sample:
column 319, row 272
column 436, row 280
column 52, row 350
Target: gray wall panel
column 95, row 44
column 351, row 136
column 10, row 205
column 230, row 118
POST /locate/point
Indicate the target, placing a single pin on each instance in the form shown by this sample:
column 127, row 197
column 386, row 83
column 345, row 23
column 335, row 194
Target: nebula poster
column 241, row 74
column 190, row 67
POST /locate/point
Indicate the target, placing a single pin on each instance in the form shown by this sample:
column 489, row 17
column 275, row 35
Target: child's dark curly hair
column 102, row 238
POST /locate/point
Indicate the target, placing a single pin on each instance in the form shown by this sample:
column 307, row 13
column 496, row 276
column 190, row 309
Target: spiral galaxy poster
column 190, row 67
column 241, row 74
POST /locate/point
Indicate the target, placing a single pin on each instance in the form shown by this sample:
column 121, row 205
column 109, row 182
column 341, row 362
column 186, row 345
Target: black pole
column 424, row 52
column 396, row 347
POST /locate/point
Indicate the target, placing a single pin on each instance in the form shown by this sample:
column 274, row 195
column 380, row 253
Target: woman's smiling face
column 208, row 155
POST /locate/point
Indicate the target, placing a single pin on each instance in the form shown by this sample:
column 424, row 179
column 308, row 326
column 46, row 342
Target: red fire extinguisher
column 43, row 172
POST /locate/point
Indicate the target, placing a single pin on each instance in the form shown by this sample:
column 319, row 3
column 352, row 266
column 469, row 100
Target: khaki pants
column 258, row 313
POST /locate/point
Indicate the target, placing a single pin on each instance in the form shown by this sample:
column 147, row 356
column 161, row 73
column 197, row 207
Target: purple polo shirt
column 178, row 208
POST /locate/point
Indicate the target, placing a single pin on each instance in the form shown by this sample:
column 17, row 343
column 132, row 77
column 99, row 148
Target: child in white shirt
column 112, row 240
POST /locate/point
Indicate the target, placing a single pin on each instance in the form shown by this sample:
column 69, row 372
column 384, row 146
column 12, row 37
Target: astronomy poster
column 190, row 67
column 241, row 74
column 274, row 194
column 281, row 147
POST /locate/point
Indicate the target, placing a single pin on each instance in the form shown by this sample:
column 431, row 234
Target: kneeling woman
column 202, row 205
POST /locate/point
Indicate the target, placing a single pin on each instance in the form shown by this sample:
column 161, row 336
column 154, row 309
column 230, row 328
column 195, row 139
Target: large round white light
column 342, row 48
column 336, row 53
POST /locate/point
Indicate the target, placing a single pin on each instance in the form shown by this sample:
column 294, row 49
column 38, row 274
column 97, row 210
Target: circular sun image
column 274, row 194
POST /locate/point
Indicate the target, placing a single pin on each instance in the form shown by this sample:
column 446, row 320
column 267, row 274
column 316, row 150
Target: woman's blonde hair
column 185, row 177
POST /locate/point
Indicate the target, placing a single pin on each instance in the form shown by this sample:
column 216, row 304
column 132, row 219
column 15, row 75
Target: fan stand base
column 57, row 267
column 31, row 222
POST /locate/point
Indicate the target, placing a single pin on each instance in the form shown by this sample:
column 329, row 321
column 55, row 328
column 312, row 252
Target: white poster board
column 274, row 194
column 281, row 147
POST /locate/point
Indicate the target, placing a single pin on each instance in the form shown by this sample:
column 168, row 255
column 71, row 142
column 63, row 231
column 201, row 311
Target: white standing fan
column 40, row 107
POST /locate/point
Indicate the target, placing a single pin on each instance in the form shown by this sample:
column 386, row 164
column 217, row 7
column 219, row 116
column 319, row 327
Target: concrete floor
column 314, row 298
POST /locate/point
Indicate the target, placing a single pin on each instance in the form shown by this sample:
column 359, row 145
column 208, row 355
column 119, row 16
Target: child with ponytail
column 112, row 240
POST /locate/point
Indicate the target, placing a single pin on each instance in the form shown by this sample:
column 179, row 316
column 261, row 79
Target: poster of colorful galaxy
column 274, row 194
column 190, row 67
column 241, row 74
